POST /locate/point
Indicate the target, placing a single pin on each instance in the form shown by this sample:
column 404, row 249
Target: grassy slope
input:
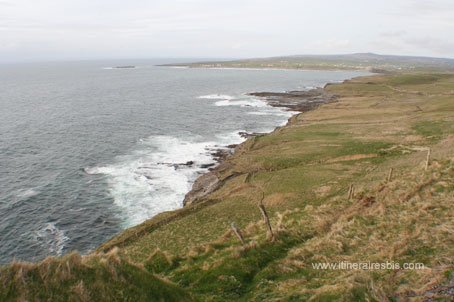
column 302, row 172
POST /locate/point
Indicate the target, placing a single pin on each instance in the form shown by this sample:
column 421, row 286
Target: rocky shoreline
column 299, row 101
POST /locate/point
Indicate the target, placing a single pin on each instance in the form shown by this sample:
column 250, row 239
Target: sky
column 42, row 30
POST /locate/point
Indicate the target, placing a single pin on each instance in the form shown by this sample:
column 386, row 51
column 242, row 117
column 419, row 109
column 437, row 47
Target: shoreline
column 316, row 68
column 299, row 101
column 212, row 180
column 334, row 185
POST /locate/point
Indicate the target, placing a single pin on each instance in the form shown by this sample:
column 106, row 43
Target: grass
column 302, row 172
column 92, row 278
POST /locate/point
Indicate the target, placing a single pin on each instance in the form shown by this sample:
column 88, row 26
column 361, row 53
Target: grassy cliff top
column 303, row 174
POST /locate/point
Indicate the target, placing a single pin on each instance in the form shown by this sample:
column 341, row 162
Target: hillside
column 359, row 61
column 349, row 182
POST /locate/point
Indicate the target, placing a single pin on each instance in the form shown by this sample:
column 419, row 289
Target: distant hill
column 358, row 61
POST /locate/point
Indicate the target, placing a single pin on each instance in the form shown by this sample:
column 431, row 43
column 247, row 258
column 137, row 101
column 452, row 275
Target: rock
column 296, row 100
column 204, row 185
column 247, row 134
column 221, row 154
column 177, row 165
column 204, row 166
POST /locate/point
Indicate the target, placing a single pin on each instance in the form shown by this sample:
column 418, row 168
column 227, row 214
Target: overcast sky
column 33, row 30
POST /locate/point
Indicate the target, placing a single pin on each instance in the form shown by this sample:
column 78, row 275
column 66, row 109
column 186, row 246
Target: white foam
column 27, row 193
column 241, row 101
column 120, row 68
column 245, row 102
column 216, row 97
column 231, row 138
column 52, row 238
column 155, row 178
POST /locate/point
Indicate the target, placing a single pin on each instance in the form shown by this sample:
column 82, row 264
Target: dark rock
column 177, row 165
column 221, row 154
column 204, row 166
column 297, row 100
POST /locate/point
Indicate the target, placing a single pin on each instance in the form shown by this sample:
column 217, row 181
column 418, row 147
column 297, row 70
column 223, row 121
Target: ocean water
column 87, row 150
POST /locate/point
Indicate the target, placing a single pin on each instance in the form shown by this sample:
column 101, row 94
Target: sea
column 88, row 149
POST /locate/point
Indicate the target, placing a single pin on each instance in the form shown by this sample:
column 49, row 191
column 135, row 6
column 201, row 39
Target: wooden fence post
column 350, row 192
column 237, row 232
column 427, row 159
column 266, row 219
column 390, row 174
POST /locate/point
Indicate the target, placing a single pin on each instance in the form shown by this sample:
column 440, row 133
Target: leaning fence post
column 237, row 232
column 350, row 192
column 427, row 159
column 390, row 174
column 266, row 219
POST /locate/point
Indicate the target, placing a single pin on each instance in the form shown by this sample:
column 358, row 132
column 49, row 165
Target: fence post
column 237, row 232
column 390, row 174
column 266, row 219
column 350, row 192
column 427, row 159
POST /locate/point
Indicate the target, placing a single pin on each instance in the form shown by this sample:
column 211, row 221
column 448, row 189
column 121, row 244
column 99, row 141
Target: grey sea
column 87, row 149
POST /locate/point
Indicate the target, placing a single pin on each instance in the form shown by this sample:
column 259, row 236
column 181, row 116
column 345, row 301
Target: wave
column 52, row 238
column 252, row 102
column 27, row 193
column 156, row 177
column 216, row 97
column 228, row 100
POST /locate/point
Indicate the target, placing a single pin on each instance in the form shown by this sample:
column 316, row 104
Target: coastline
column 349, row 183
column 299, row 101
column 306, row 68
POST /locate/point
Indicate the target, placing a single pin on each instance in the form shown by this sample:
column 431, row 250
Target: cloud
column 339, row 45
column 393, row 34
column 421, row 8
column 401, row 41
column 431, row 44
column 47, row 29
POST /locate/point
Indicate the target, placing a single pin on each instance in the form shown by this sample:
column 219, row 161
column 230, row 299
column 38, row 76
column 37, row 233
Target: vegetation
column 302, row 174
